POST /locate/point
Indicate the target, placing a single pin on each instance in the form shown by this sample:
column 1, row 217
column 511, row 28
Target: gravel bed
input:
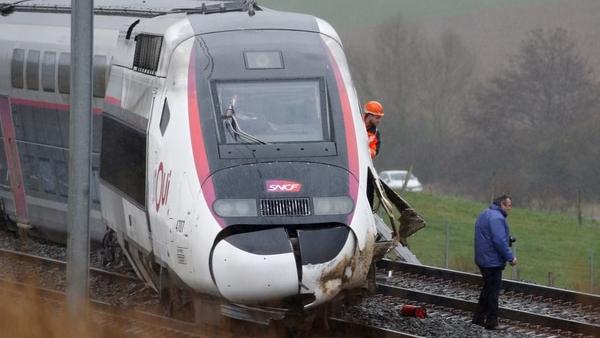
column 102, row 288
column 510, row 300
column 36, row 246
column 384, row 311
column 378, row 310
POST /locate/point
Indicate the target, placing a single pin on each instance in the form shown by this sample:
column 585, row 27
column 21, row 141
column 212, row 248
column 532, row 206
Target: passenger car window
column 16, row 68
column 49, row 71
column 48, row 177
column 33, row 70
column 64, row 73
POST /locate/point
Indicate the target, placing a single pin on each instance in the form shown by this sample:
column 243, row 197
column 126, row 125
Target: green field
column 546, row 242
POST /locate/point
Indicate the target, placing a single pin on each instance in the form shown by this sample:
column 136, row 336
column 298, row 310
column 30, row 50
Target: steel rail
column 62, row 264
column 353, row 329
column 521, row 316
column 130, row 315
column 585, row 299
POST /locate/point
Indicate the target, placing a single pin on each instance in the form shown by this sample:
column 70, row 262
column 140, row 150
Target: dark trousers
column 487, row 308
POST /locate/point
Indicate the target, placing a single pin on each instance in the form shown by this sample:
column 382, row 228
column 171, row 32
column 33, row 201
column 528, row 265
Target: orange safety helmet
column 374, row 107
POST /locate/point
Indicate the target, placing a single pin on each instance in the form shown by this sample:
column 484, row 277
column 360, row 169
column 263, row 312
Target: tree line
column 531, row 129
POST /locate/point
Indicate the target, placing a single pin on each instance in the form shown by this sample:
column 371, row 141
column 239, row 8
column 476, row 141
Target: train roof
column 138, row 8
column 235, row 15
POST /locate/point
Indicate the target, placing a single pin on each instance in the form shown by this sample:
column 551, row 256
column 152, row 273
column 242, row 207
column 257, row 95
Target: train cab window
column 32, row 72
column 64, row 73
column 49, row 71
column 272, row 111
column 16, row 67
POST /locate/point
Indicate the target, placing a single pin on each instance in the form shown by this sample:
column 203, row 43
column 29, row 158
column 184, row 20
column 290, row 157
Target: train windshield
column 272, row 111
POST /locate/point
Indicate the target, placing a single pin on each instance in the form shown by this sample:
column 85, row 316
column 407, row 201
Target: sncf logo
column 282, row 186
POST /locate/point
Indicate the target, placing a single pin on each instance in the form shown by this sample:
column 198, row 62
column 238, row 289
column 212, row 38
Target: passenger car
column 395, row 179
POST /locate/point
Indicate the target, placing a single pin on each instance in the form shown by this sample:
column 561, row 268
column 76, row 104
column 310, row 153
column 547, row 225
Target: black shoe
column 496, row 327
column 478, row 322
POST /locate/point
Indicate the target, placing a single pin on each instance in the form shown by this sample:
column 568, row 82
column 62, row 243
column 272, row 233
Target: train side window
column 30, row 178
column 64, row 73
column 4, row 174
column 165, row 117
column 49, row 71
column 100, row 68
column 48, row 177
column 32, row 71
column 123, row 159
column 62, row 178
column 16, row 67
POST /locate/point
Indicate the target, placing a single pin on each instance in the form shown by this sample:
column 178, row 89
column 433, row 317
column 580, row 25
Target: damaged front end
column 347, row 271
column 404, row 222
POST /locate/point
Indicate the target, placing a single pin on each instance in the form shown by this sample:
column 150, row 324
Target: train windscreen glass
column 272, row 111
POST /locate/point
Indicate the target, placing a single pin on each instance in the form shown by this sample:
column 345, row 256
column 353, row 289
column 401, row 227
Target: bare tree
column 424, row 87
column 444, row 81
column 531, row 117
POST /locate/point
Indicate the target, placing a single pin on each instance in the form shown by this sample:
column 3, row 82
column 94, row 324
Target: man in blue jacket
column 492, row 241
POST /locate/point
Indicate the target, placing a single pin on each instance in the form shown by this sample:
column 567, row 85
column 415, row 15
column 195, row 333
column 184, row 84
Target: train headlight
column 333, row 205
column 235, row 207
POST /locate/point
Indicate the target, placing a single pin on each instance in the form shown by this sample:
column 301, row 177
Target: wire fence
column 581, row 275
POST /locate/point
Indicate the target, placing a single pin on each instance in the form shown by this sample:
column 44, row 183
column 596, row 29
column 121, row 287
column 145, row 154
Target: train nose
column 256, row 266
column 271, row 264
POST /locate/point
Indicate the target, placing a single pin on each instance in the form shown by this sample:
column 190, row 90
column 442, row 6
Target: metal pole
column 447, row 245
column 80, row 135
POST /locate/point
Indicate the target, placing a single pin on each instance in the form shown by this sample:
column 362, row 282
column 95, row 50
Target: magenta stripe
column 48, row 105
column 12, row 158
column 113, row 101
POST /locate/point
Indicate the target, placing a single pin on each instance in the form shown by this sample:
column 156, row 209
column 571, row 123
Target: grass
column 546, row 242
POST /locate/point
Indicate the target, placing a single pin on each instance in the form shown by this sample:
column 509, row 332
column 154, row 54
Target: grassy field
column 546, row 242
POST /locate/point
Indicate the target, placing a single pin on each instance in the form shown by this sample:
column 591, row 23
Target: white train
column 229, row 151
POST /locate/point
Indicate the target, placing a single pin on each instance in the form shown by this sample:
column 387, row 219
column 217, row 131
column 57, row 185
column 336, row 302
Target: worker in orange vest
column 372, row 118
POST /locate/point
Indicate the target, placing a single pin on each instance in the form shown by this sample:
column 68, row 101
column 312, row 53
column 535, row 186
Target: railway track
column 104, row 317
column 569, row 312
column 447, row 294
column 112, row 316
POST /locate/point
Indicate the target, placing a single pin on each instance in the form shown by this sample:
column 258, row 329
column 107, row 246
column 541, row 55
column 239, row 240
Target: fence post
column 514, row 274
column 579, row 220
column 447, row 245
column 592, row 271
column 550, row 279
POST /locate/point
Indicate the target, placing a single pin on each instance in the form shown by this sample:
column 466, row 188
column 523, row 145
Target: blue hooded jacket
column 492, row 238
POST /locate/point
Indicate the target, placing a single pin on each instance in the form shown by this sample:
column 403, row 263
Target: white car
column 395, row 179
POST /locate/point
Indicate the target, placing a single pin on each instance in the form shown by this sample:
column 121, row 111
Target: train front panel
column 256, row 164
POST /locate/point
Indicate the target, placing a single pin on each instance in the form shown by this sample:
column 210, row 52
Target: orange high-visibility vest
column 374, row 141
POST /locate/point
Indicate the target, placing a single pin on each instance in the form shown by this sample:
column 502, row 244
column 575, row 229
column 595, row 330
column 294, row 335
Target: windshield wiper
column 234, row 127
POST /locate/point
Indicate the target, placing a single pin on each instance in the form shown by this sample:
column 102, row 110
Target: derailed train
column 228, row 147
